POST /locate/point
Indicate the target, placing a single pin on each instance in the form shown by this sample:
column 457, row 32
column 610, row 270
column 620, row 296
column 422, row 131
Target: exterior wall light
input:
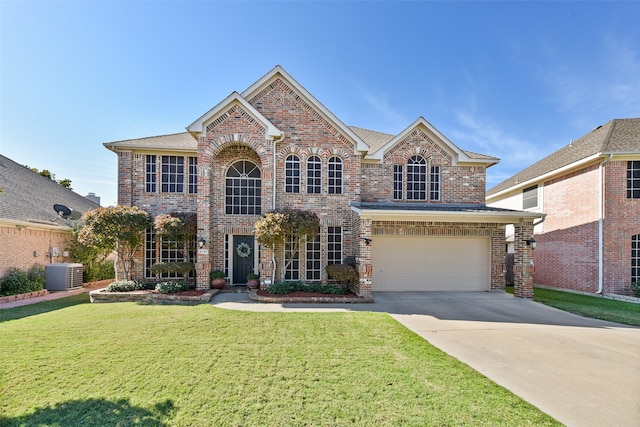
column 201, row 242
column 367, row 241
column 531, row 242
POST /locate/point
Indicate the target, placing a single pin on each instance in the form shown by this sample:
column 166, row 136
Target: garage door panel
column 409, row 263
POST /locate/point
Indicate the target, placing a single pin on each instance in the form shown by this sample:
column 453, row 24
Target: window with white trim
column 334, row 245
column 292, row 259
column 635, row 258
column 397, row 182
column 416, row 178
column 314, row 259
column 335, row 175
column 172, row 174
column 434, row 183
column 150, row 174
column 530, row 197
column 193, row 175
column 633, row 179
column 292, row 174
column 314, row 175
column 243, row 192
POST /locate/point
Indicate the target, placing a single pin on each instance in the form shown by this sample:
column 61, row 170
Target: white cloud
column 388, row 117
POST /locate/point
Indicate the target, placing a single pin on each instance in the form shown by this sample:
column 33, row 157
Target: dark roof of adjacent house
column 28, row 196
column 619, row 136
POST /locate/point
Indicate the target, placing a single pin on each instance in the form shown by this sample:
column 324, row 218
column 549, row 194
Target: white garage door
column 407, row 263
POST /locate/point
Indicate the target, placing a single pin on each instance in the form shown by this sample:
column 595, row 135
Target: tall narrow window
column 633, row 179
column 635, row 258
column 150, row 174
column 335, row 175
column 313, row 259
column 193, row 175
column 530, row 197
column 149, row 252
column 292, row 174
column 314, row 175
column 292, row 259
column 243, row 192
column 334, row 245
column 397, row 182
column 172, row 174
column 434, row 183
column 417, row 178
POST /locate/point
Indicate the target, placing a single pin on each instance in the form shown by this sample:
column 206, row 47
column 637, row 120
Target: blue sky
column 515, row 80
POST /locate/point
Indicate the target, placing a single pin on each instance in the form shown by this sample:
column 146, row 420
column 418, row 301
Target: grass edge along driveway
column 149, row 365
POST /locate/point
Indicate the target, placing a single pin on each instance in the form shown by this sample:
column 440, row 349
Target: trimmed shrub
column 171, row 287
column 122, row 286
column 342, row 273
column 145, row 286
column 16, row 281
column 635, row 287
column 101, row 270
column 288, row 287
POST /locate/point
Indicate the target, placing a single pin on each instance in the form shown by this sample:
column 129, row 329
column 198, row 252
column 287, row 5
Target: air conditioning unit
column 63, row 276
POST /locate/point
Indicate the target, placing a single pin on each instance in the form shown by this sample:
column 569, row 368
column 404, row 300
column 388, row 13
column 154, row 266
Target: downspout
column 601, row 224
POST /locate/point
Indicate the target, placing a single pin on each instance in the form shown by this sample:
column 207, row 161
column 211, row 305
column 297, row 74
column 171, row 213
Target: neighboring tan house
column 31, row 231
column 408, row 207
column 590, row 192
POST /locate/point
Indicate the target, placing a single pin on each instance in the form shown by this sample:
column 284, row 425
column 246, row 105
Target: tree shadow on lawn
column 94, row 412
column 42, row 307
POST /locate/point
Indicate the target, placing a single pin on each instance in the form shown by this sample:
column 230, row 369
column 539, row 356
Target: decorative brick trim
column 101, row 296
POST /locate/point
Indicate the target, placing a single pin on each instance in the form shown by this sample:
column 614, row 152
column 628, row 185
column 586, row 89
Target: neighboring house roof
column 619, row 136
column 29, row 197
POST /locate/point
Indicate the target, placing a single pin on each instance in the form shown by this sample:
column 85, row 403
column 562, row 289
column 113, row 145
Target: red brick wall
column 17, row 246
column 622, row 220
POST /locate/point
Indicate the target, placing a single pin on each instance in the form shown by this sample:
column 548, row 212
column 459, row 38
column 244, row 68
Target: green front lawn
column 590, row 306
column 150, row 365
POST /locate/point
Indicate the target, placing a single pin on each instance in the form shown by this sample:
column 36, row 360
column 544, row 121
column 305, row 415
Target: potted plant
column 218, row 279
column 253, row 281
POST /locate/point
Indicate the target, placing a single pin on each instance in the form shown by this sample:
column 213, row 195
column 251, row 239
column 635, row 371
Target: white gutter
column 601, row 224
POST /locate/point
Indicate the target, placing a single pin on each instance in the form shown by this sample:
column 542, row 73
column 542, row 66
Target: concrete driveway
column 583, row 372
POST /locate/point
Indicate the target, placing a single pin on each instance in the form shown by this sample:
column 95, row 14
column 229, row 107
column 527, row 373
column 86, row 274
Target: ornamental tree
column 281, row 226
column 177, row 229
column 120, row 228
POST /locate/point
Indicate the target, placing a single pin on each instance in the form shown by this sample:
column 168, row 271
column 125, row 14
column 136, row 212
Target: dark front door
column 243, row 256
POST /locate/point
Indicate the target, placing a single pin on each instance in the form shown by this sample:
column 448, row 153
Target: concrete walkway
column 583, row 372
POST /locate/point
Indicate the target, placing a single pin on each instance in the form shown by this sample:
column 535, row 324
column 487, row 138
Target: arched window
column 335, row 175
column 292, row 174
column 314, row 175
column 417, row 178
column 243, row 189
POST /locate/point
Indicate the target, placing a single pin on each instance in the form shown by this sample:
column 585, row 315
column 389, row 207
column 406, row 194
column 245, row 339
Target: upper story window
column 314, row 175
column 417, row 178
column 172, row 174
column 193, row 175
column 633, row 179
column 150, row 174
column 243, row 189
column 530, row 197
column 397, row 182
column 335, row 175
column 292, row 174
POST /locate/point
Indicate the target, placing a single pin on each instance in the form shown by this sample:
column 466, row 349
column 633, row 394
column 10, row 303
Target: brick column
column 203, row 259
column 523, row 267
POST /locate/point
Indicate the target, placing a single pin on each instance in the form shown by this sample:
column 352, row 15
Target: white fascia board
column 538, row 179
column 466, row 217
column 457, row 154
column 34, row 224
column 360, row 145
column 200, row 124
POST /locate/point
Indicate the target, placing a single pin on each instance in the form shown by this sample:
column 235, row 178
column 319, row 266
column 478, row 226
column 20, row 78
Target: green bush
column 342, row 273
column 171, row 287
column 101, row 270
column 635, row 287
column 288, row 287
column 145, row 286
column 16, row 281
column 122, row 286
column 182, row 268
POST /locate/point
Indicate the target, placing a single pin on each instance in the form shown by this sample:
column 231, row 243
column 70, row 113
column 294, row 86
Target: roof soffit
column 199, row 126
column 279, row 72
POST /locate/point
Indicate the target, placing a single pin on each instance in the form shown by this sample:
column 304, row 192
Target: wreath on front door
column 243, row 250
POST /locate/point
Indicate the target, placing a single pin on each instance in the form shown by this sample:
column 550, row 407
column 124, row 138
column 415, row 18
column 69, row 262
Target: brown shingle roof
column 176, row 141
column 616, row 136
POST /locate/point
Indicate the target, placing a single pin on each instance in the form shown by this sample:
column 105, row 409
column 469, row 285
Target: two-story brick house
column 590, row 192
column 409, row 207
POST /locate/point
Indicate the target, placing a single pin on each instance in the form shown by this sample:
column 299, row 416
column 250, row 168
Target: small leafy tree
column 93, row 258
column 120, row 228
column 278, row 227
